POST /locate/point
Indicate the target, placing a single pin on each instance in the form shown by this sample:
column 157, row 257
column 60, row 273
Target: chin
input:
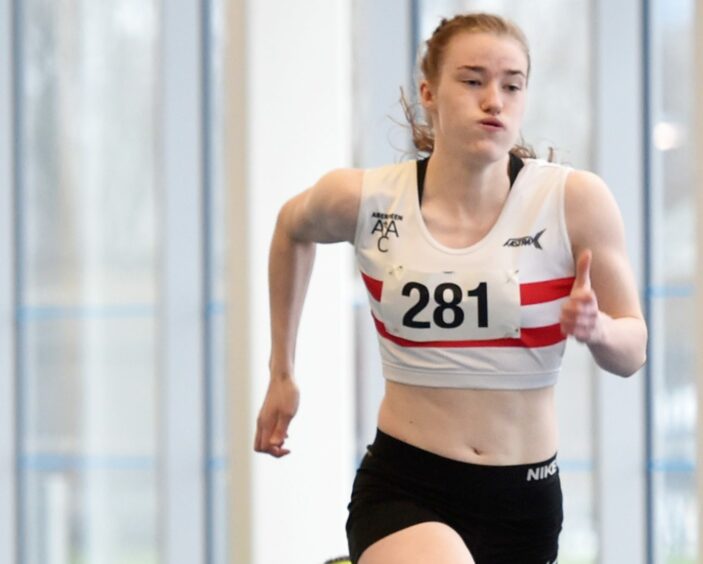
column 486, row 152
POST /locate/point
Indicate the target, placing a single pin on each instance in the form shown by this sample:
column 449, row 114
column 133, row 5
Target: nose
column 492, row 101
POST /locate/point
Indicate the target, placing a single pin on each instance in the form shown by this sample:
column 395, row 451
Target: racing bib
column 451, row 306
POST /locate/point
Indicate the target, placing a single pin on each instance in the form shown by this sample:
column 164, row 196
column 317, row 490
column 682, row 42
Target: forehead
column 495, row 52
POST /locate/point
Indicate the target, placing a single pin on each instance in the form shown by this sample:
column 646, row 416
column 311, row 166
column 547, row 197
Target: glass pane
column 676, row 514
column 87, row 250
column 78, row 511
column 88, row 386
column 671, row 291
column 559, row 115
column 216, row 250
column 673, row 378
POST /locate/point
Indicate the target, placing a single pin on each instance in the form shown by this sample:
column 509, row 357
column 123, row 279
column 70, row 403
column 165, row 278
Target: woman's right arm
column 325, row 213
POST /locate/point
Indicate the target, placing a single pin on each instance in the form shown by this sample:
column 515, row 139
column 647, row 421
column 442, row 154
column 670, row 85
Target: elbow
column 290, row 224
column 636, row 366
column 641, row 358
column 628, row 359
column 637, row 362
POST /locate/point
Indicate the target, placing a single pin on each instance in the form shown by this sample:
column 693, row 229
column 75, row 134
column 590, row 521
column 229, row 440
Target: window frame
column 8, row 155
column 183, row 284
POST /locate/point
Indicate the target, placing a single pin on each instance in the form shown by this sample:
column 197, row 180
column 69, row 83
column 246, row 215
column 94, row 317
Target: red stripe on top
column 375, row 287
column 530, row 337
column 547, row 291
column 530, row 293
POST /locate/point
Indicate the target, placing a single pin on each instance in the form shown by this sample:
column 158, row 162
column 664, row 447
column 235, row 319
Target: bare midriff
column 492, row 427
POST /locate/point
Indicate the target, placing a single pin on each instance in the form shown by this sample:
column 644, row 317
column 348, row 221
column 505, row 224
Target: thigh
column 524, row 527
column 426, row 542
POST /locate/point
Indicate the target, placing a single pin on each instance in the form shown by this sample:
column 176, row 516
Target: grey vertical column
column 620, row 403
column 8, row 480
column 182, row 284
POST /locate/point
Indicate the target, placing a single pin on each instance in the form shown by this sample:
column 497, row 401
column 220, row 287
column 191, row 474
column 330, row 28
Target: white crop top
column 485, row 316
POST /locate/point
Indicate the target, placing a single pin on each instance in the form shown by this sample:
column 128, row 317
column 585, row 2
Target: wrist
column 281, row 371
column 600, row 333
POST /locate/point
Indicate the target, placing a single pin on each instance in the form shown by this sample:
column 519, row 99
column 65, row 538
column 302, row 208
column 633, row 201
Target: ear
column 427, row 96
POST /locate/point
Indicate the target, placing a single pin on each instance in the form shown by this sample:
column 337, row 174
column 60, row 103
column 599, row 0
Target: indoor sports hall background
column 145, row 148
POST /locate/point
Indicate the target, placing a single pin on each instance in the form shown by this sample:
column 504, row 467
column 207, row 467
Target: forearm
column 290, row 265
column 621, row 347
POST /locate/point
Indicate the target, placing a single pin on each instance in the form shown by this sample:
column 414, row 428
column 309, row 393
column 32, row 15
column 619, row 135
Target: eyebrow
column 480, row 69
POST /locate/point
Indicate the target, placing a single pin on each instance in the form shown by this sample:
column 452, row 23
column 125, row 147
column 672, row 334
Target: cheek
column 520, row 107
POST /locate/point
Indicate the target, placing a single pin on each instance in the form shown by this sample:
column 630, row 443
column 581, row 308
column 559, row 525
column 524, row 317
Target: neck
column 465, row 182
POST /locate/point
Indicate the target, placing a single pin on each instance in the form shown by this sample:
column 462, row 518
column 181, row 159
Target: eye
column 472, row 82
column 513, row 87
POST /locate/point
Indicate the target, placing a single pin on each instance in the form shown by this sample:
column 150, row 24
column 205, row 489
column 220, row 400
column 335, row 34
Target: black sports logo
column 525, row 241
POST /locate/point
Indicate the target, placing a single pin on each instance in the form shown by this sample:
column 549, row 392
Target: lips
column 492, row 122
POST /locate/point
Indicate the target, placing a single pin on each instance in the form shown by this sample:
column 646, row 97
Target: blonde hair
column 433, row 57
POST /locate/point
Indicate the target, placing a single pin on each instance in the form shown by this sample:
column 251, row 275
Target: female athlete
column 480, row 261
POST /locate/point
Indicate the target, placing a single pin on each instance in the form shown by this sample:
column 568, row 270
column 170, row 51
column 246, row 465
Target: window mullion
column 8, row 451
column 182, row 285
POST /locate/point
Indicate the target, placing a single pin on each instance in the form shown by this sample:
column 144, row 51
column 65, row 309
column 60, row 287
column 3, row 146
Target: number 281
column 443, row 305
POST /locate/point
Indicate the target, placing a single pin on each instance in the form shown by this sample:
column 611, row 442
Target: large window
column 670, row 294
column 119, row 253
column 87, row 286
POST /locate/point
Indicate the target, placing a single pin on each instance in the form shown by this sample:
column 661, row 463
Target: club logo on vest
column 525, row 241
column 542, row 472
column 386, row 224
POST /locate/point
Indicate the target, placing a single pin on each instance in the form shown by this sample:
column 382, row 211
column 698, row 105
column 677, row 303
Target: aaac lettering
column 386, row 225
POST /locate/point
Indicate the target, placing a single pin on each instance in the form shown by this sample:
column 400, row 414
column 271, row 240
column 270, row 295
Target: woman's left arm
column 603, row 309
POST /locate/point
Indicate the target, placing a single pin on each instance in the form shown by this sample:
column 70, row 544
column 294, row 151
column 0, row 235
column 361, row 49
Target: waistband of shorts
column 411, row 459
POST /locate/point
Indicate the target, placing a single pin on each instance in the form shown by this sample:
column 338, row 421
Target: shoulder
column 584, row 186
column 587, row 193
column 591, row 211
column 349, row 179
column 328, row 210
column 345, row 186
column 335, row 188
column 353, row 178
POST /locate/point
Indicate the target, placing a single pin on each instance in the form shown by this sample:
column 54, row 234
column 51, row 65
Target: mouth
column 492, row 124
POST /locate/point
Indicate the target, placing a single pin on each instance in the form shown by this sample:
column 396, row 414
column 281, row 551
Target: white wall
column 290, row 89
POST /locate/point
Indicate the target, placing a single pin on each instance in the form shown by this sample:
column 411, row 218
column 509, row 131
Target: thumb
column 583, row 271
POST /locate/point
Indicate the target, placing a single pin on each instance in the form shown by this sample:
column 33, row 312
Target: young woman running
column 479, row 262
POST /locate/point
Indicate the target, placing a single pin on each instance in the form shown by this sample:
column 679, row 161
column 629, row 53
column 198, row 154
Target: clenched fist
column 279, row 408
column 580, row 316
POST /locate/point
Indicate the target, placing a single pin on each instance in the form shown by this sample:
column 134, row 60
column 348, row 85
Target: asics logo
column 525, row 241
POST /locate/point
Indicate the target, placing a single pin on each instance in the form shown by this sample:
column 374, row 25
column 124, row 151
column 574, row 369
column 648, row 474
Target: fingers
column 271, row 435
column 280, row 432
column 580, row 315
column 583, row 271
column 582, row 328
column 278, row 410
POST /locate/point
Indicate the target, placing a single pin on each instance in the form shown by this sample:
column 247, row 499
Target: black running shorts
column 504, row 514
